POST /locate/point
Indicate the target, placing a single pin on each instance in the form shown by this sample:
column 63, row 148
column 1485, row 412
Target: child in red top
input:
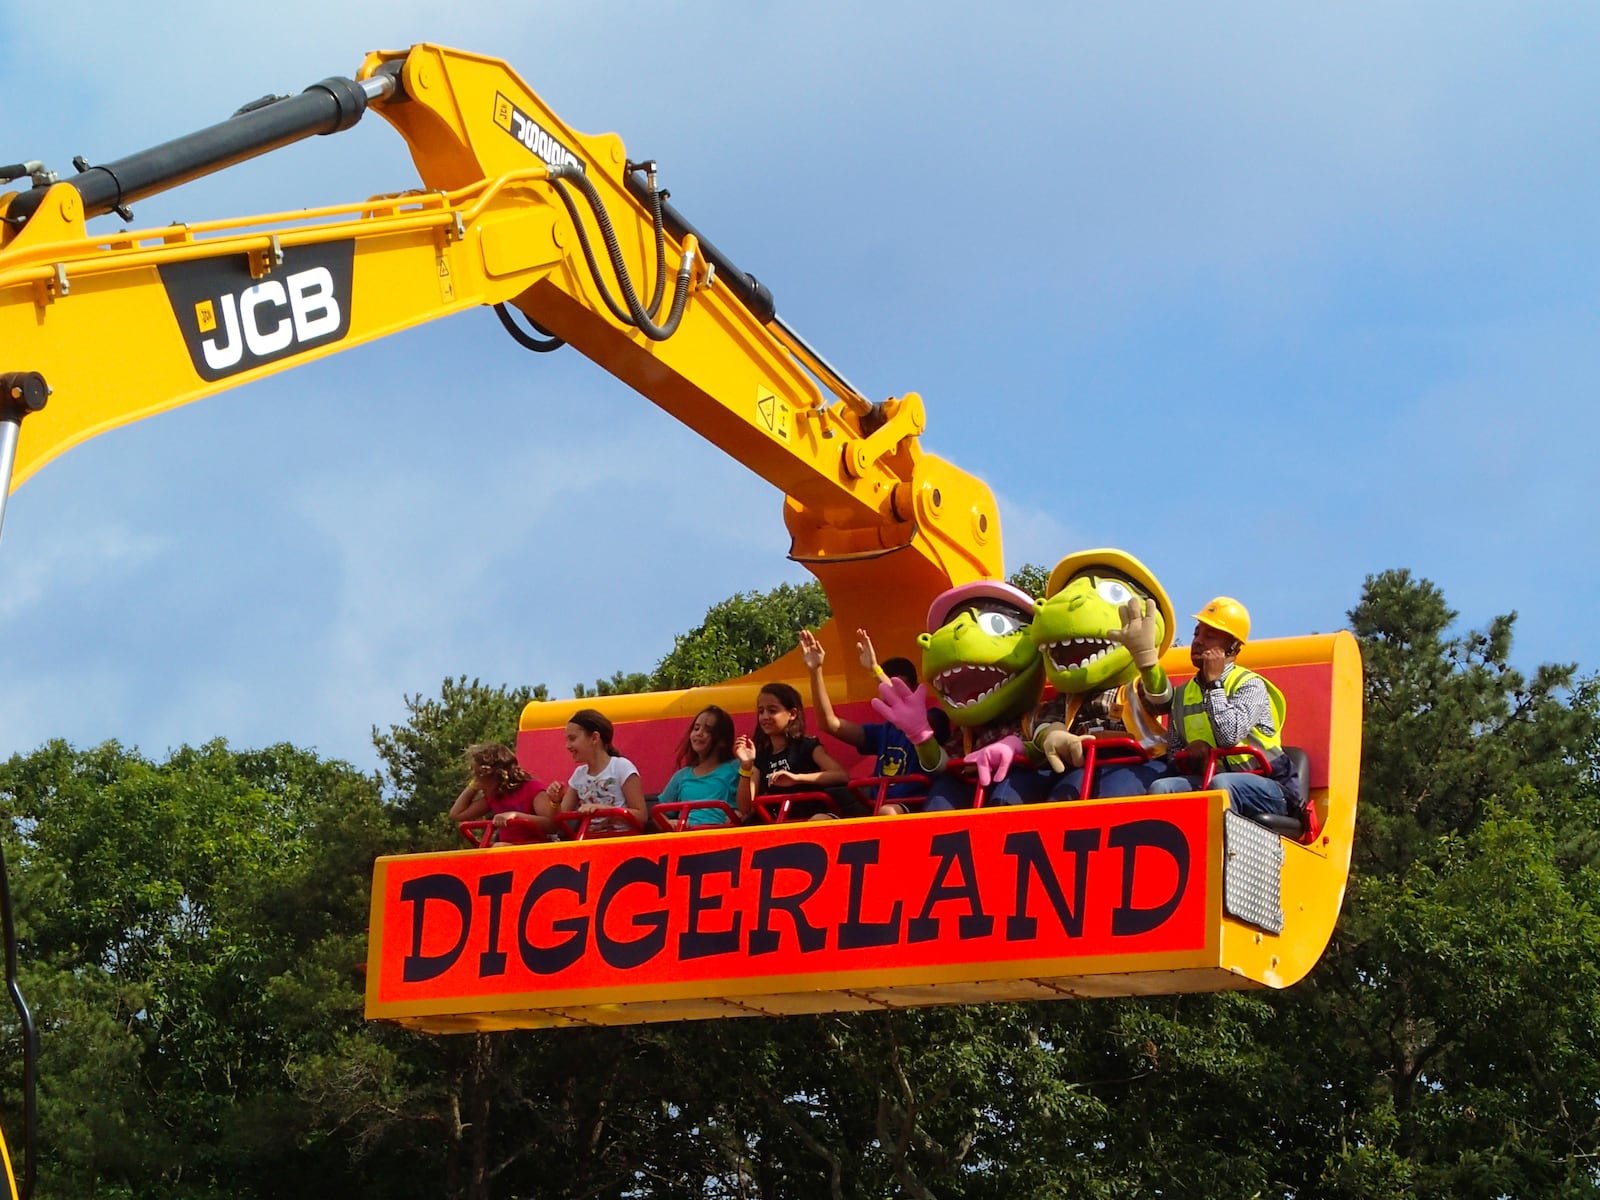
column 500, row 788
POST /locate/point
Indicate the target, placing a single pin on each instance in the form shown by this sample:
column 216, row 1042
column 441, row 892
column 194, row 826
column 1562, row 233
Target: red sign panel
column 897, row 895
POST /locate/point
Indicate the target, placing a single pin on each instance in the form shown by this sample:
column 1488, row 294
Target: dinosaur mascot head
column 1083, row 604
column 976, row 655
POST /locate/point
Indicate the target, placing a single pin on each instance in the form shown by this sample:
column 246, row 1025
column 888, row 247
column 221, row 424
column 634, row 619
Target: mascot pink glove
column 994, row 760
column 904, row 708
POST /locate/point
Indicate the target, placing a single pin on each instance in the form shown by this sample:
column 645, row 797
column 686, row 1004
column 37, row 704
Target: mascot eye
column 1114, row 591
column 997, row 624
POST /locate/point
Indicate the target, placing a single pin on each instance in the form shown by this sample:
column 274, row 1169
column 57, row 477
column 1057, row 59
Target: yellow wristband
column 744, row 772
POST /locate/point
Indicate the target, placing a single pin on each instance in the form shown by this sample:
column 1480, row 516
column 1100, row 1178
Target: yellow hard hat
column 1227, row 614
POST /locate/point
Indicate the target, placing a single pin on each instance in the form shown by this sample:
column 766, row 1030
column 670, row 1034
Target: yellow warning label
column 205, row 316
column 773, row 414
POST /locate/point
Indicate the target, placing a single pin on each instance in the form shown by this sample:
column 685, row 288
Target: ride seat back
column 1301, row 824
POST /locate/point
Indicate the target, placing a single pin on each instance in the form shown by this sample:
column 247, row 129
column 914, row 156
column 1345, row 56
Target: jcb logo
column 532, row 135
column 232, row 323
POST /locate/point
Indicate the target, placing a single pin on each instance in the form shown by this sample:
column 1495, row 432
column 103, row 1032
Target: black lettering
column 493, row 960
column 952, row 848
column 1027, row 847
column 695, row 942
column 799, row 856
column 620, row 954
column 419, row 966
column 1126, row 920
column 547, row 960
column 855, row 933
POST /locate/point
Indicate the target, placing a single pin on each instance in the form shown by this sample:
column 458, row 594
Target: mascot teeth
column 967, row 685
column 1071, row 653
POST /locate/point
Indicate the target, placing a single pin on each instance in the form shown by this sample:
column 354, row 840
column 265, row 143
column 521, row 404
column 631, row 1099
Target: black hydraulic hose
column 635, row 314
column 333, row 105
column 658, row 224
column 752, row 293
column 539, row 345
column 617, row 310
column 30, row 1037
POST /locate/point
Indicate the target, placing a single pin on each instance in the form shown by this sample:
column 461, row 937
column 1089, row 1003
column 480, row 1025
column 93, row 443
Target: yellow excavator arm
column 517, row 210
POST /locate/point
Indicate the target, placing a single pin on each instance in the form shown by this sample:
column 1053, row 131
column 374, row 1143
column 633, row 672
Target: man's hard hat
column 1227, row 614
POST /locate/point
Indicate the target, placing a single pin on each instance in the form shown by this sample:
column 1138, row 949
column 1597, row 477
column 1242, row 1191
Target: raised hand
column 811, row 651
column 744, row 750
column 1138, row 632
column 864, row 651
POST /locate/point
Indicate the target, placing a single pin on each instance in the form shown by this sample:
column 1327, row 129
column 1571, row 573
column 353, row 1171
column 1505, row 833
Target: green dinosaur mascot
column 986, row 674
column 1100, row 632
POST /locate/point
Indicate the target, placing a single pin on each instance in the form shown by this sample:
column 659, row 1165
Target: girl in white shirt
column 603, row 780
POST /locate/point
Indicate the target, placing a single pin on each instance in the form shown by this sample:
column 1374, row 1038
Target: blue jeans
column 1119, row 779
column 1250, row 795
column 1022, row 785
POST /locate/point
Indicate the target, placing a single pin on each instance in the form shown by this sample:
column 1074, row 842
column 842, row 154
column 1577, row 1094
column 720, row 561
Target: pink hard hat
column 946, row 603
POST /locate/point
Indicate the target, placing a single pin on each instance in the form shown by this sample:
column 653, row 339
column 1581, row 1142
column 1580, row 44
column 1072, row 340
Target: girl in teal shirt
column 709, row 770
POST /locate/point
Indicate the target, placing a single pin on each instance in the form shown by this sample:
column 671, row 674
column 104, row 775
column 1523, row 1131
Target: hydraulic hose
column 658, row 224
column 528, row 341
column 635, row 314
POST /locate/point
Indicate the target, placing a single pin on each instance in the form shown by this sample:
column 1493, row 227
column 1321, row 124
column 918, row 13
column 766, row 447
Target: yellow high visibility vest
column 1191, row 710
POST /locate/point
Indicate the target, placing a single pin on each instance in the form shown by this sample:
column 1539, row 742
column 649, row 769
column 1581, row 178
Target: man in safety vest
column 1228, row 705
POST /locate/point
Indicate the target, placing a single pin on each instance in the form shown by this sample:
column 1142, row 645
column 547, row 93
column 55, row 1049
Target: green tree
column 621, row 683
column 176, row 916
column 1030, row 578
column 1457, row 1005
column 742, row 634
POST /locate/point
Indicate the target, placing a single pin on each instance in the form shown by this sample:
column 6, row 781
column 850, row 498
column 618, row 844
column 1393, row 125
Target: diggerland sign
column 1127, row 885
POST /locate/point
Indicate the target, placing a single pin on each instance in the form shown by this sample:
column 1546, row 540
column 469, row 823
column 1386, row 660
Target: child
column 707, row 769
column 499, row 786
column 893, row 750
column 782, row 759
column 603, row 780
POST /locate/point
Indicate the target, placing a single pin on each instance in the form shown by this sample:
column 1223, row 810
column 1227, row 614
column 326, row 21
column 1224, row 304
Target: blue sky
column 1272, row 296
